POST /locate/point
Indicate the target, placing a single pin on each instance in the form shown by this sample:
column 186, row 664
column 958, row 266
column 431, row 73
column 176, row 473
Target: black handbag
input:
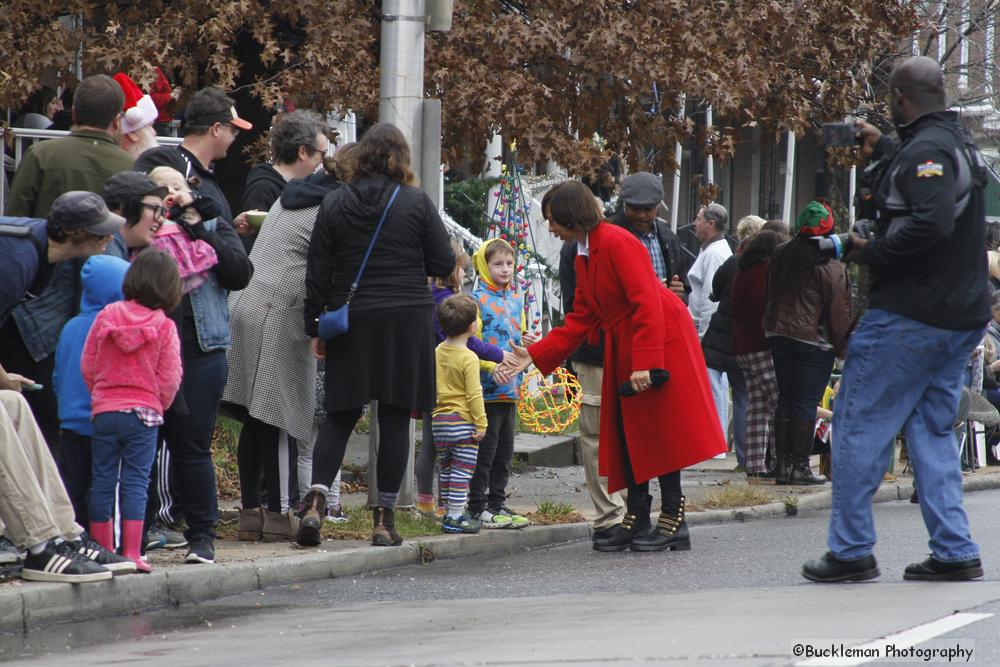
column 333, row 323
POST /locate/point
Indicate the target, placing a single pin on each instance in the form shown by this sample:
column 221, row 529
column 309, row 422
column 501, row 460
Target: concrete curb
column 35, row 605
column 822, row 500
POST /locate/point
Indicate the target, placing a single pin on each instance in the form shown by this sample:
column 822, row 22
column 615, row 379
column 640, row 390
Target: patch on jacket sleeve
column 930, row 169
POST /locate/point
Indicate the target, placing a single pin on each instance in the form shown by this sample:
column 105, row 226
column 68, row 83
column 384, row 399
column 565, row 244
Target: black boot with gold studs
column 671, row 530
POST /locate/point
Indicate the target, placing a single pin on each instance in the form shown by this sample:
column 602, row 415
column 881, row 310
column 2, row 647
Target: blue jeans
column 720, row 395
column 120, row 441
column 900, row 374
column 741, row 396
column 802, row 371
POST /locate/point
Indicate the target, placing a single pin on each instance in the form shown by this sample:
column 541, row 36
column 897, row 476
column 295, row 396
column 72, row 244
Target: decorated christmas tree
column 510, row 222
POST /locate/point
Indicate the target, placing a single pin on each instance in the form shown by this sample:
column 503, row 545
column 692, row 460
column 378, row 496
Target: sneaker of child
column 488, row 519
column 194, row 257
column 335, row 514
column 516, row 520
column 461, row 524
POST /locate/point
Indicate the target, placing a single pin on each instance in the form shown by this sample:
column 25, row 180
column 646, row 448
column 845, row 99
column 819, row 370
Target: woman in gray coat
column 272, row 371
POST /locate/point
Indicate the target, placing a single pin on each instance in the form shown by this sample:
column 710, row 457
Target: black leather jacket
column 927, row 260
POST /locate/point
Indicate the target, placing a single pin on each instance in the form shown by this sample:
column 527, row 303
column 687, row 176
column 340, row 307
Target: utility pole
column 402, row 103
column 401, row 80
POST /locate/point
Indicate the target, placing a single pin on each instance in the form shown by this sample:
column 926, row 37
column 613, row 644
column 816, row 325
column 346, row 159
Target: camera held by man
column 836, row 246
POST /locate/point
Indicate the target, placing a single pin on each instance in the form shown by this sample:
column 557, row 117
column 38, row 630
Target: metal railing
column 20, row 134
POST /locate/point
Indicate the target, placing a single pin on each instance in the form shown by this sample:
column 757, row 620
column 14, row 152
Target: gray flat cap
column 642, row 189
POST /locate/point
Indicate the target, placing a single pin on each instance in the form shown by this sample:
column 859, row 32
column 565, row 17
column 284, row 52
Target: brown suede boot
column 384, row 533
column 251, row 525
column 311, row 519
column 277, row 528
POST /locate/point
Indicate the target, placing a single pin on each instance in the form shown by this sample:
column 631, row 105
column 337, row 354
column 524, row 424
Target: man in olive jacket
column 84, row 160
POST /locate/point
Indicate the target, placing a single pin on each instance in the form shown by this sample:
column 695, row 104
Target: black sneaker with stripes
column 62, row 563
column 92, row 549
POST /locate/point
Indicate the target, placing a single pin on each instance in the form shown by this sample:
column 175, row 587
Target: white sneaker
column 720, row 457
column 335, row 515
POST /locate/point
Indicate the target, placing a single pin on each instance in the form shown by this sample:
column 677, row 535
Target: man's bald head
column 917, row 88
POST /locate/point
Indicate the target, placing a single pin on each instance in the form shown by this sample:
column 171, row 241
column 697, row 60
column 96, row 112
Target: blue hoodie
column 102, row 277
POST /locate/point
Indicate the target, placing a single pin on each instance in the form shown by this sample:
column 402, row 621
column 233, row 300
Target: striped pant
column 762, row 392
column 456, row 456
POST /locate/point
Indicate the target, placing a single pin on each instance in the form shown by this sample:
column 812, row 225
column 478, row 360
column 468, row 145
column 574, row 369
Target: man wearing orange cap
column 211, row 125
column 137, row 133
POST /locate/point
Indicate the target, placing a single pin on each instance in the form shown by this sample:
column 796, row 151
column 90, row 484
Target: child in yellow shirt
column 459, row 418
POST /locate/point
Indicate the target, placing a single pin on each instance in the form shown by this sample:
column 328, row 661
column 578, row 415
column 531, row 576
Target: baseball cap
column 642, row 189
column 78, row 209
column 128, row 185
column 211, row 105
column 227, row 116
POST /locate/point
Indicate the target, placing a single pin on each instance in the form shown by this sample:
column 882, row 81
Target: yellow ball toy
column 549, row 404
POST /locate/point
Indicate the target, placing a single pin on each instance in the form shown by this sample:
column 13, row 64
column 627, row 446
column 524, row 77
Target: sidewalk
column 245, row 566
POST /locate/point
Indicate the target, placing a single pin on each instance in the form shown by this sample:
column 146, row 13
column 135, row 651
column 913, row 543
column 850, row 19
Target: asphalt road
column 736, row 599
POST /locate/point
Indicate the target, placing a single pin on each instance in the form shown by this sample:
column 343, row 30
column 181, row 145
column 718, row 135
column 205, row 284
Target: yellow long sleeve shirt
column 458, row 387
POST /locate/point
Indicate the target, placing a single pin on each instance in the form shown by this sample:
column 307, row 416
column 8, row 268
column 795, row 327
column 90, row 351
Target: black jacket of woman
column 412, row 245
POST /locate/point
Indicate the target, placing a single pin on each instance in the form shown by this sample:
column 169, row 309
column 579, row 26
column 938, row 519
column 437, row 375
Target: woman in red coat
column 661, row 429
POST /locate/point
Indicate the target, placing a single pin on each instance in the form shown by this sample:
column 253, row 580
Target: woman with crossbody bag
column 374, row 243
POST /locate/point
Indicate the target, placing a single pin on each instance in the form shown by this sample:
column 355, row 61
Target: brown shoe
column 384, row 534
column 311, row 518
column 277, row 528
column 251, row 525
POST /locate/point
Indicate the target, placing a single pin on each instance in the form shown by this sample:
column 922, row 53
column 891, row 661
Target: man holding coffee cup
column 298, row 144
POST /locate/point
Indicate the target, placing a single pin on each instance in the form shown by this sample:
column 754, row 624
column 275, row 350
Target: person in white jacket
column 710, row 228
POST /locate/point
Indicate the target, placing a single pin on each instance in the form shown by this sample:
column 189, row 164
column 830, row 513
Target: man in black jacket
column 641, row 195
column 211, row 125
column 298, row 144
column 928, row 307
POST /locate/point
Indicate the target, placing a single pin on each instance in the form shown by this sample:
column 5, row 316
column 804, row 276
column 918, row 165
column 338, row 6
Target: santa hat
column 139, row 109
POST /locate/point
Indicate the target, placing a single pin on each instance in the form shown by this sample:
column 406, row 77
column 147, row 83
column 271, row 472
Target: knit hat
column 816, row 219
column 140, row 110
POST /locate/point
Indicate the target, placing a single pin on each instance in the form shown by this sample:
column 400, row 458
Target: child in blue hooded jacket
column 503, row 325
column 101, row 279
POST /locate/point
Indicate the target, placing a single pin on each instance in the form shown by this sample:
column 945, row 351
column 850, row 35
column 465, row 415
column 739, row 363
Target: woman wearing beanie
column 806, row 318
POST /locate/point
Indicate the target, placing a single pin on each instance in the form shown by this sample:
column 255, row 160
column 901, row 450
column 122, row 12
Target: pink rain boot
column 131, row 541
column 103, row 533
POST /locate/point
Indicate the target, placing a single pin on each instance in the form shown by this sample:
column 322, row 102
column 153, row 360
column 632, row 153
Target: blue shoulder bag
column 333, row 323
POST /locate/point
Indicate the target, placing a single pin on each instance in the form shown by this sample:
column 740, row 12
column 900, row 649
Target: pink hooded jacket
column 132, row 358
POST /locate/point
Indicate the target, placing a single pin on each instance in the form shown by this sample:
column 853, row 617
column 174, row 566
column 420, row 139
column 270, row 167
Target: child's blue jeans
column 121, row 441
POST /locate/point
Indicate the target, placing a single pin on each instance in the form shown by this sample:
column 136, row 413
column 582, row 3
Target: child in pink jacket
column 131, row 364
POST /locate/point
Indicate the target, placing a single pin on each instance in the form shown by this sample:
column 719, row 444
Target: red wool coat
column 646, row 326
